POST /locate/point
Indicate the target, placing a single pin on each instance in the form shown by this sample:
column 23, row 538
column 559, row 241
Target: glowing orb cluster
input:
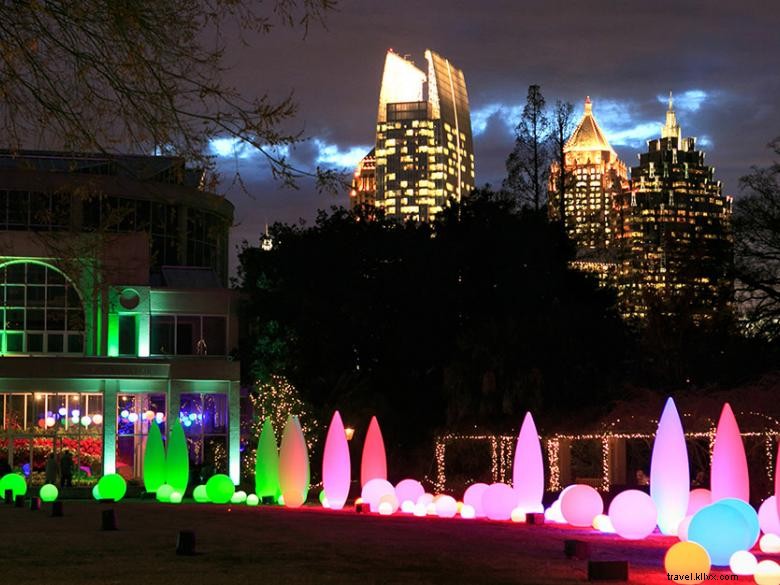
column 112, row 487
column 686, row 558
column 408, row 490
column 743, row 562
column 14, row 482
column 220, row 488
column 722, row 531
column 580, row 504
column 633, row 514
column 473, row 497
column 373, row 491
column 670, row 472
column 200, row 495
column 498, row 501
column 238, row 497
column 49, row 492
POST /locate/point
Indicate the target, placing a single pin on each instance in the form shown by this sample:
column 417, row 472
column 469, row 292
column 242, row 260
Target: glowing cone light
column 669, row 471
column 729, row 475
column 293, row 464
column 373, row 464
column 267, row 463
column 177, row 463
column 154, row 460
column 528, row 468
column 335, row 464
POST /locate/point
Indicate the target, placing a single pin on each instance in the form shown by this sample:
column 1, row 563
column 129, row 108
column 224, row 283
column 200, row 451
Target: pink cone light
column 293, row 464
column 777, row 481
column 669, row 471
column 528, row 468
column 373, row 464
column 729, row 475
column 336, row 473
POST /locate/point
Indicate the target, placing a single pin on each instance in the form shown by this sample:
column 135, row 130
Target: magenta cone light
column 777, row 481
column 293, row 464
column 335, row 464
column 669, row 472
column 729, row 475
column 528, row 469
column 373, row 464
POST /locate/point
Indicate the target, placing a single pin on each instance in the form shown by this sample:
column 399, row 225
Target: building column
column 234, row 432
column 110, row 389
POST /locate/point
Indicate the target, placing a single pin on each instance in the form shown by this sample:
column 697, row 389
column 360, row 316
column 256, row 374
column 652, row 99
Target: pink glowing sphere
column 446, row 507
column 498, row 501
column 767, row 516
column 580, row 504
column 374, row 490
column 473, row 497
column 408, row 490
column 682, row 529
column 698, row 499
column 633, row 514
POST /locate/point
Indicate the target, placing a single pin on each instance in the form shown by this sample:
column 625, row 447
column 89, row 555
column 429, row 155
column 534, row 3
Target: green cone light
column 267, row 463
column 154, row 459
column 177, row 465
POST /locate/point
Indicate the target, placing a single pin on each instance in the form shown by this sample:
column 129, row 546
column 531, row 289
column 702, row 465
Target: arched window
column 40, row 311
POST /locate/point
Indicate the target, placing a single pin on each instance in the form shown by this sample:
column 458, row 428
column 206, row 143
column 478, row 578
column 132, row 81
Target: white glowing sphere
column 446, row 507
column 149, row 415
column 391, row 500
column 98, row 419
column 420, row 510
column 86, row 420
column 374, row 490
column 407, row 507
column 633, row 514
column 518, row 515
column 473, row 497
column 580, row 504
column 159, row 417
column 430, row 509
column 698, row 499
column 602, row 523
column 75, row 413
column 132, row 417
column 767, row 573
column 408, row 489
column 553, row 513
column 743, row 562
column 682, row 529
column 252, row 500
column 467, row 512
column 175, row 498
column 50, row 421
column 64, row 411
column 238, row 497
column 498, row 501
column 767, row 516
column 769, row 543
column 425, row 499
column 385, row 508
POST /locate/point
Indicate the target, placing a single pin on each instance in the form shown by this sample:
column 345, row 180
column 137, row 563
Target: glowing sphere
column 743, row 562
column 682, row 529
column 407, row 507
column 580, row 504
column 112, row 487
column 748, row 515
column 498, row 501
column 633, row 514
column 425, row 499
column 323, row 497
column 252, row 500
column 769, row 543
column 391, row 500
column 767, row 516
column 602, row 523
column 50, row 421
column 64, row 411
column 467, row 512
column 374, row 490
column 75, row 413
column 420, row 510
column 767, row 573
column 98, row 419
column 159, row 417
column 729, row 474
column 164, row 492
column 697, row 499
column 518, row 515
column 528, row 467
column 199, row 494
column 473, row 498
column 49, row 492
column 336, row 468
column 430, row 509
column 669, row 470
column 446, row 507
column 721, row 530
column 373, row 463
column 408, row 490
column 385, row 508
column 684, row 558
column 95, row 492
column 238, row 497
column 553, row 513
column 132, row 417
column 86, row 421
column 175, row 498
column 294, row 464
column 220, row 488
column 14, row 482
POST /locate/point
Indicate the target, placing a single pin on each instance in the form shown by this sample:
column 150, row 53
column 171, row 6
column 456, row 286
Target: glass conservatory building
column 114, row 313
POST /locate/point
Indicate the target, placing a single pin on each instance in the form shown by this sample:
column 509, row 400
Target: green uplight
column 267, row 463
column 14, row 482
column 200, row 495
column 220, row 488
column 112, row 487
column 154, row 459
column 113, row 335
column 163, row 493
column 177, row 465
column 49, row 492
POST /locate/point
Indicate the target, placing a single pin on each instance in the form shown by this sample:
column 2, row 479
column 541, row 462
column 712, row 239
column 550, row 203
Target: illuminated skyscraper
column 594, row 176
column 364, row 182
column 674, row 231
column 424, row 149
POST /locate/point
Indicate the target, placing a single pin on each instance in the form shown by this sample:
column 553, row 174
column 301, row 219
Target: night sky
column 721, row 59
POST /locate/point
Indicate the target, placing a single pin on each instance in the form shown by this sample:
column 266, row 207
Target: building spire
column 588, row 106
column 671, row 128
